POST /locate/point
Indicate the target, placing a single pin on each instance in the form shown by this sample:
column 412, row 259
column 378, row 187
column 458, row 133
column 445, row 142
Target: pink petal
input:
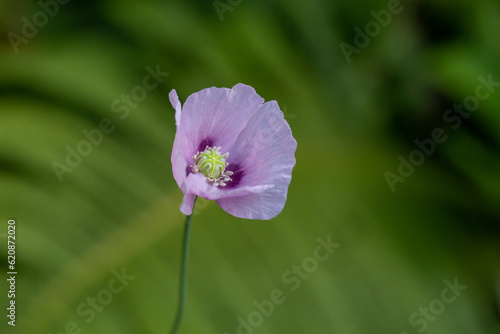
column 197, row 184
column 174, row 100
column 216, row 116
column 179, row 164
column 264, row 151
column 177, row 159
column 187, row 204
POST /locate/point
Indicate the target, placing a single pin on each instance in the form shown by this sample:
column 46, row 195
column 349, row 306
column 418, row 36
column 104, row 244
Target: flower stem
column 184, row 271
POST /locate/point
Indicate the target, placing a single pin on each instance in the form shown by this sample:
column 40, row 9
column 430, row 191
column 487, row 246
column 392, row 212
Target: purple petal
column 187, row 204
column 264, row 154
column 177, row 159
column 174, row 100
column 217, row 115
column 196, row 184
column 179, row 164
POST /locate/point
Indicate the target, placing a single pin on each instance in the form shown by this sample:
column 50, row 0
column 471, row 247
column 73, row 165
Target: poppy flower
column 234, row 148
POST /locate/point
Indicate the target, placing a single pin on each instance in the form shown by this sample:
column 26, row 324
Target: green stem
column 184, row 271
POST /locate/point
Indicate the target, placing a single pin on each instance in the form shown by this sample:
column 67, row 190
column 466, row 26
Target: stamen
column 212, row 164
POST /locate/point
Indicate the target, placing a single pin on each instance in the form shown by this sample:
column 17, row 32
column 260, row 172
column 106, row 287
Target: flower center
column 212, row 164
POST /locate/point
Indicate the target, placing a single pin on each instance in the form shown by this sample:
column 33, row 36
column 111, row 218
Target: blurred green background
column 117, row 209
